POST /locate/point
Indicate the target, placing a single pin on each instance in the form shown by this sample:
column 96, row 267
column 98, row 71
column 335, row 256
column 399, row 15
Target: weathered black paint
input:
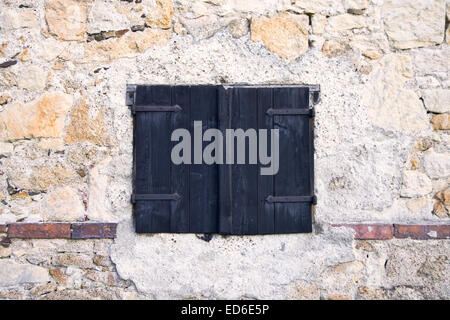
column 226, row 199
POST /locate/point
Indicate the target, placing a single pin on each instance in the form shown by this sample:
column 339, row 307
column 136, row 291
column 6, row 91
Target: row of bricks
column 108, row 231
column 60, row 230
column 399, row 231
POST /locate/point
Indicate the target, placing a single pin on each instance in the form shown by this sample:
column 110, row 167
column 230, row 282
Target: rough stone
column 415, row 184
column 333, row 296
column 51, row 144
column 50, row 49
column 437, row 100
column 43, row 289
column 326, row 7
column 352, row 267
column 40, row 178
column 441, row 121
column 102, row 261
column 416, row 205
column 6, row 149
column 422, row 144
column 447, row 35
column 412, row 24
column 372, row 54
column 24, row 56
column 356, row 6
column 302, row 290
column 372, row 293
column 43, row 117
column 11, row 19
column 58, row 275
column 127, row 46
column 437, row 165
column 161, row 16
column 104, row 17
column 333, row 48
column 318, row 22
column 435, row 270
column 203, row 27
column 440, row 210
column 73, row 259
column 238, row 27
column 429, row 61
column 5, row 252
column 63, row 204
column 98, row 184
column 83, row 129
column 12, row 273
column 4, row 98
column 66, row 19
column 285, row 35
column 345, row 22
column 391, row 105
column 441, row 207
column 32, row 78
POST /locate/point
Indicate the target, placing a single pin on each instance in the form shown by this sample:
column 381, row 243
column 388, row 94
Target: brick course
column 399, row 231
column 422, row 232
column 39, row 230
column 94, row 230
column 62, row 230
column 108, row 231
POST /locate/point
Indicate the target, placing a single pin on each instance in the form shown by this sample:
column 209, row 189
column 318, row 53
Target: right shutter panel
column 293, row 185
column 251, row 203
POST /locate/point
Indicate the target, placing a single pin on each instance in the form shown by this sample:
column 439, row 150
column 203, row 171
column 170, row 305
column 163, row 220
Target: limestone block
column 412, row 24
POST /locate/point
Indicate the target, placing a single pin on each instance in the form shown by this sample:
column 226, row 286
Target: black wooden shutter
column 252, row 203
column 227, row 199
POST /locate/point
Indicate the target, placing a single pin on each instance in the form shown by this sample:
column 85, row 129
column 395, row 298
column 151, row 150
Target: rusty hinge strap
column 281, row 199
column 291, row 112
column 154, row 197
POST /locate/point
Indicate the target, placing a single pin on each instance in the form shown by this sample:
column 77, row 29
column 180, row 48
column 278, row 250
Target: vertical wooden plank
column 293, row 177
column 204, row 178
column 179, row 221
column 244, row 176
column 154, row 216
column 266, row 218
column 225, row 210
column 142, row 146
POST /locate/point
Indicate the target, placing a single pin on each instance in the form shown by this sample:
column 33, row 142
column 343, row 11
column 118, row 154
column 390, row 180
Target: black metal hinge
column 314, row 95
column 291, row 112
column 174, row 108
column 284, row 199
column 154, row 197
column 130, row 95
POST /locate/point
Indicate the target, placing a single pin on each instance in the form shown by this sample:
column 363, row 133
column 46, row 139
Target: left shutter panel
column 161, row 189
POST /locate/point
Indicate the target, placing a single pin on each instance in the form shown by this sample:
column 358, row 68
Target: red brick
column 94, row 230
column 39, row 230
column 422, row 232
column 370, row 231
column 3, row 228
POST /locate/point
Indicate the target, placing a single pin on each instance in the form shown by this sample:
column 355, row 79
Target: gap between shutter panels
column 291, row 213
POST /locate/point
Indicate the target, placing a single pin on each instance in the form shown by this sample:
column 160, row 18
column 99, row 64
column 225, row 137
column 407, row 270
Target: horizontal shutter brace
column 291, row 112
column 284, row 199
column 174, row 108
column 154, row 197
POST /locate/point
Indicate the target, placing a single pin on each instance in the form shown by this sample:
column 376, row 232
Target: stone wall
column 382, row 160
